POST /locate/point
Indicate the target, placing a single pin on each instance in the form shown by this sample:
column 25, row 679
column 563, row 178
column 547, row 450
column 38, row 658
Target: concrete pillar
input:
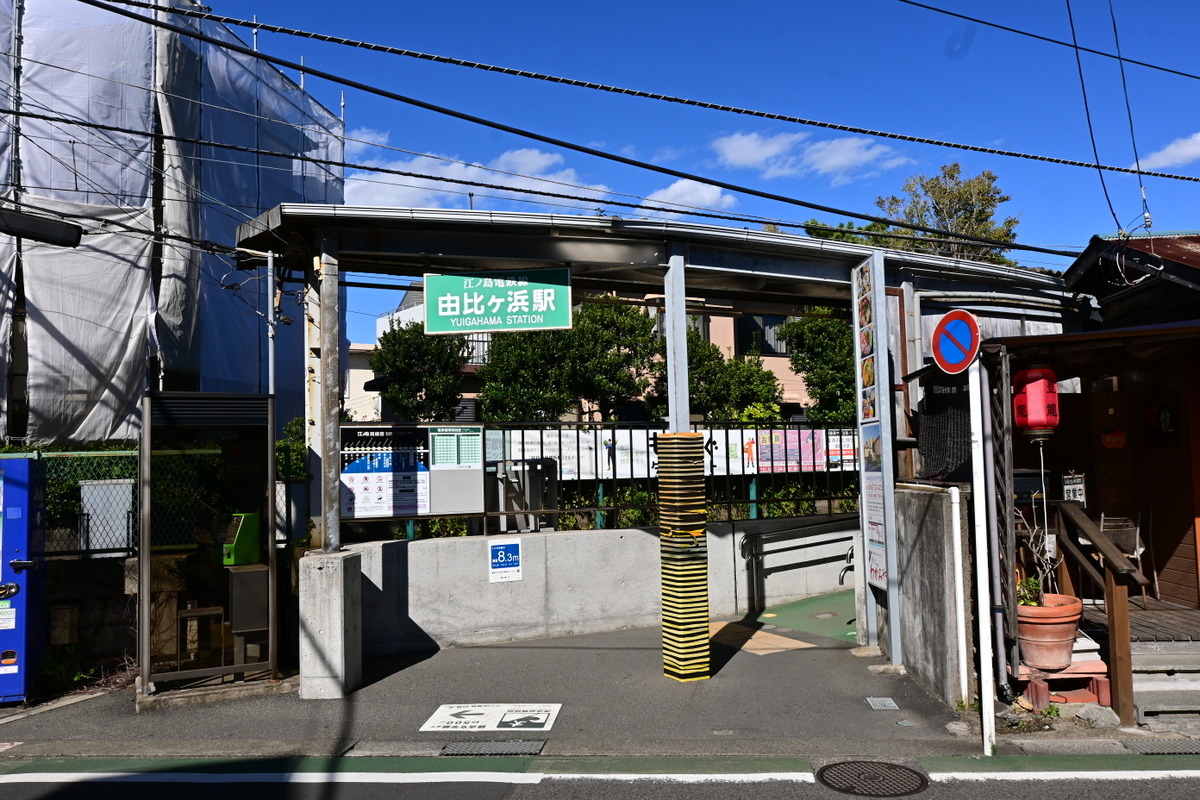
column 330, row 624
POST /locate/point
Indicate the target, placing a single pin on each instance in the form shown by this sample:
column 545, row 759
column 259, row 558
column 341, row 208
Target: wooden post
column 1120, row 668
column 1066, row 581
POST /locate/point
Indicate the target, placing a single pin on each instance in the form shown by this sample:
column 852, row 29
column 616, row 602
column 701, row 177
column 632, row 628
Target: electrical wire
column 674, row 209
column 1137, row 161
column 1087, row 112
column 592, row 151
column 254, row 24
column 365, row 167
column 1037, row 36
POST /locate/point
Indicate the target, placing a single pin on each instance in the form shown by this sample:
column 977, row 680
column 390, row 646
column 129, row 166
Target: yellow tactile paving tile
column 752, row 641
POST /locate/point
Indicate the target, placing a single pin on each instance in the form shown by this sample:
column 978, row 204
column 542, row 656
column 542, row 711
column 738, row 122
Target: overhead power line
column 482, row 121
column 669, row 209
column 1039, row 37
column 254, row 24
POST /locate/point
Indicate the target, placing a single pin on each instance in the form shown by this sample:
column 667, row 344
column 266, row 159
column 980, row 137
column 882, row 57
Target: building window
column 761, row 333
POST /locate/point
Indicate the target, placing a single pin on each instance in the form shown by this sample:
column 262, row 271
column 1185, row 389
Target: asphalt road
column 598, row 789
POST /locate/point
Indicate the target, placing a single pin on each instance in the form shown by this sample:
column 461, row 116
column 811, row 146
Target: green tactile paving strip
column 830, row 615
column 267, row 765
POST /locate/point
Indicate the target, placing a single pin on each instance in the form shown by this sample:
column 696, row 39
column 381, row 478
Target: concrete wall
column 931, row 636
column 435, row 592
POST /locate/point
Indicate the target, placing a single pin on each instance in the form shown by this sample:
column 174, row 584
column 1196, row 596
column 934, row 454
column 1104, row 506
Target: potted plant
column 1047, row 623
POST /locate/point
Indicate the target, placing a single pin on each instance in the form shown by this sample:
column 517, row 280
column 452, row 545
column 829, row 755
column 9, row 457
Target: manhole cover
column 872, row 779
column 823, row 615
column 514, row 748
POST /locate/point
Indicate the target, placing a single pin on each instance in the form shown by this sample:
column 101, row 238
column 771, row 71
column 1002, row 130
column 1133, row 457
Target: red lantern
column 1035, row 402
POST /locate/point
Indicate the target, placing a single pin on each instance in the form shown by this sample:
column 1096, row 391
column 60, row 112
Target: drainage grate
column 511, row 748
column 882, row 704
column 1164, row 747
column 872, row 779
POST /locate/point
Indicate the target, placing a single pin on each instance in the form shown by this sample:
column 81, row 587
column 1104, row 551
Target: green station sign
column 516, row 300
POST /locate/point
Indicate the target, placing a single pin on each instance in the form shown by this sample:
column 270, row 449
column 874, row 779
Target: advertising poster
column 874, row 418
column 630, row 454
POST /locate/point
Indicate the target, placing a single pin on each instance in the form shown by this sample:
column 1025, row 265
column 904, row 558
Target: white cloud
column 691, row 193
column 518, row 169
column 1177, row 154
column 850, row 157
column 792, row 155
column 755, row 151
column 359, row 141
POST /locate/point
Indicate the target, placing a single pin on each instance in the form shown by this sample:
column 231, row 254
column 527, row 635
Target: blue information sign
column 504, row 560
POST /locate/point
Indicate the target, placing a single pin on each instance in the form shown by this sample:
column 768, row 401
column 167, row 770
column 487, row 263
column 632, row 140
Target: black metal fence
column 581, row 476
column 566, row 476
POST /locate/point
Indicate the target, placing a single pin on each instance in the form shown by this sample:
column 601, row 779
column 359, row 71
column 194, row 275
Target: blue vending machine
column 22, row 549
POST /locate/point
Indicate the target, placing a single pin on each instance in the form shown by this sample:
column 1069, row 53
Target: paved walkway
column 796, row 692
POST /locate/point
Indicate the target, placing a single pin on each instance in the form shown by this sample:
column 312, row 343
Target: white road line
column 1075, row 775
column 272, row 777
column 681, row 777
column 391, row 777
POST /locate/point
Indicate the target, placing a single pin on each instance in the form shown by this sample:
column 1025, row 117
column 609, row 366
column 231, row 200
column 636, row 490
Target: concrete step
column 1150, row 703
column 1166, row 681
column 1166, row 662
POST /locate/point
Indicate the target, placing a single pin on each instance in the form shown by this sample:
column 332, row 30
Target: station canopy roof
column 773, row 271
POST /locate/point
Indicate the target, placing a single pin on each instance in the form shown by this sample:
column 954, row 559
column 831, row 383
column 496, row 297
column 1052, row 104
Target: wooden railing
column 1108, row 567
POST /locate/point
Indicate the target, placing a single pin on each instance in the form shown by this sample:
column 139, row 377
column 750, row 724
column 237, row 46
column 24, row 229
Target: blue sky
column 882, row 65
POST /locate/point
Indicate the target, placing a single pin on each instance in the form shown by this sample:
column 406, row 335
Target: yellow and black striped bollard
column 684, row 556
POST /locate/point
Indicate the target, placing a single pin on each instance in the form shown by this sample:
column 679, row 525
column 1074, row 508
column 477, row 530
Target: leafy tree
column 425, row 372
column 946, row 201
column 951, row 202
column 821, row 343
column 752, row 392
column 611, row 355
column 524, row 379
column 738, row 388
column 821, row 350
column 605, row 360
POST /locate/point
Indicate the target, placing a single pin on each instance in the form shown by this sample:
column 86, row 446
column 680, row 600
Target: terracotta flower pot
column 1047, row 632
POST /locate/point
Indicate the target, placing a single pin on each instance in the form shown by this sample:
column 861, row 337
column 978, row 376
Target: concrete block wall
column 435, row 592
column 929, row 611
column 331, row 630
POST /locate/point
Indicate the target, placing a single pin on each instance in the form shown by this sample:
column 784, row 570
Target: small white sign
column 1074, row 489
column 493, row 717
column 8, row 618
column 504, row 560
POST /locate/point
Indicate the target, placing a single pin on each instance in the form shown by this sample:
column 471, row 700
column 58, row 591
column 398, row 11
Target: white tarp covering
column 8, row 268
column 83, row 63
column 178, row 79
column 87, row 318
column 6, row 91
column 99, row 314
column 253, row 105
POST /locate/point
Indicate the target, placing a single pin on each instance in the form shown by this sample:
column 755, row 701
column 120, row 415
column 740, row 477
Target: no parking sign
column 955, row 341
